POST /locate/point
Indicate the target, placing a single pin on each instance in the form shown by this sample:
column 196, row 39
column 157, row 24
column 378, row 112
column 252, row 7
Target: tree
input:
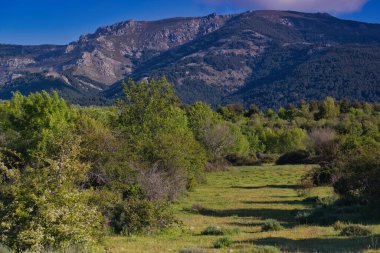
column 155, row 129
column 328, row 109
column 219, row 137
column 357, row 172
column 37, row 125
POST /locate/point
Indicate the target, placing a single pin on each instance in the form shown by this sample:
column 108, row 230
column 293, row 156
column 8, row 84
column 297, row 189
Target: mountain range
column 268, row 58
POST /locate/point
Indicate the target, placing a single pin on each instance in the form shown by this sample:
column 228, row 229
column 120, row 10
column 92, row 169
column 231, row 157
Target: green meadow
column 244, row 197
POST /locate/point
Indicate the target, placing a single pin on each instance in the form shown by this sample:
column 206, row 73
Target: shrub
column 326, row 201
column 213, row 230
column 294, row 157
column 41, row 208
column 267, row 158
column 136, row 216
column 359, row 174
column 271, row 225
column 216, row 230
column 355, row 230
column 338, row 225
column 223, row 242
column 304, row 216
column 266, row 249
column 238, row 160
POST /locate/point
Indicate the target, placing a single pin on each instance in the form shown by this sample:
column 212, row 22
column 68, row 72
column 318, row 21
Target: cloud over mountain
column 334, row 6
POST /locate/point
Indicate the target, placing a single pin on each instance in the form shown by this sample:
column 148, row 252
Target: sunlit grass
column 245, row 197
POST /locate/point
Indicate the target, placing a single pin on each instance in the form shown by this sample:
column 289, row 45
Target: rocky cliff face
column 106, row 56
column 265, row 57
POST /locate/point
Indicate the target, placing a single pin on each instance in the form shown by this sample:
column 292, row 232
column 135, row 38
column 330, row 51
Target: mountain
column 270, row 58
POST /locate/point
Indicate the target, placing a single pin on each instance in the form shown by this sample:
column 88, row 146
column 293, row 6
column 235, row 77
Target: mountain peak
column 263, row 57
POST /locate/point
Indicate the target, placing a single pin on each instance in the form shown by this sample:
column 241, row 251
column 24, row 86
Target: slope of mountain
column 270, row 58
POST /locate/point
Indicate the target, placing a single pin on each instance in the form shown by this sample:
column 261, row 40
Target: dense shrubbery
column 223, row 242
column 216, row 230
column 69, row 174
column 42, row 204
column 271, row 225
column 294, row 157
column 355, row 230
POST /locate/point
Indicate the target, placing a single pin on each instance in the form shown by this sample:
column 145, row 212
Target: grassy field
column 244, row 197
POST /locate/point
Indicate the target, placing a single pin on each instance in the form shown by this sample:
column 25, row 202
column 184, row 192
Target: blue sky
column 63, row 21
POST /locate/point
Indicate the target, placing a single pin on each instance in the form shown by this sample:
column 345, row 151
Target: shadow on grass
column 285, row 202
column 278, row 214
column 319, row 245
column 266, row 186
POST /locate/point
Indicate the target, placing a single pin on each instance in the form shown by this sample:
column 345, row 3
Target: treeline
column 71, row 175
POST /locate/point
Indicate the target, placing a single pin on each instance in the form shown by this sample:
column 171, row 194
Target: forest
column 73, row 175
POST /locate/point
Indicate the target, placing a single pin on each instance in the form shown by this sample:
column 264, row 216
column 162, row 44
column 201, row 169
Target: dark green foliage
column 237, row 160
column 295, row 157
column 216, row 230
column 223, row 242
column 359, row 173
column 136, row 216
column 355, row 230
column 271, row 225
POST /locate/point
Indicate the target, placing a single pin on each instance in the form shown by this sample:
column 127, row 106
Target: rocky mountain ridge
column 266, row 57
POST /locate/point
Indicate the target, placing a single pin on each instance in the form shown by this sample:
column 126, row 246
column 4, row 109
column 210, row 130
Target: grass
column 245, row 197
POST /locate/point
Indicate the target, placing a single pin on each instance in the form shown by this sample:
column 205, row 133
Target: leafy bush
column 216, row 230
column 136, row 216
column 271, row 225
column 237, row 160
column 42, row 208
column 294, row 157
column 49, row 221
column 355, row 230
column 359, row 173
column 338, row 225
column 223, row 242
column 213, row 230
column 267, row 158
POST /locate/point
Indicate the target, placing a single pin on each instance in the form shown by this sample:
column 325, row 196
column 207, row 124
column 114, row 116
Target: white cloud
column 334, row 6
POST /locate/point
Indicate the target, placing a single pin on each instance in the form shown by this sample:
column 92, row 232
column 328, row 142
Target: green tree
column 219, row 137
column 36, row 125
column 155, row 129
